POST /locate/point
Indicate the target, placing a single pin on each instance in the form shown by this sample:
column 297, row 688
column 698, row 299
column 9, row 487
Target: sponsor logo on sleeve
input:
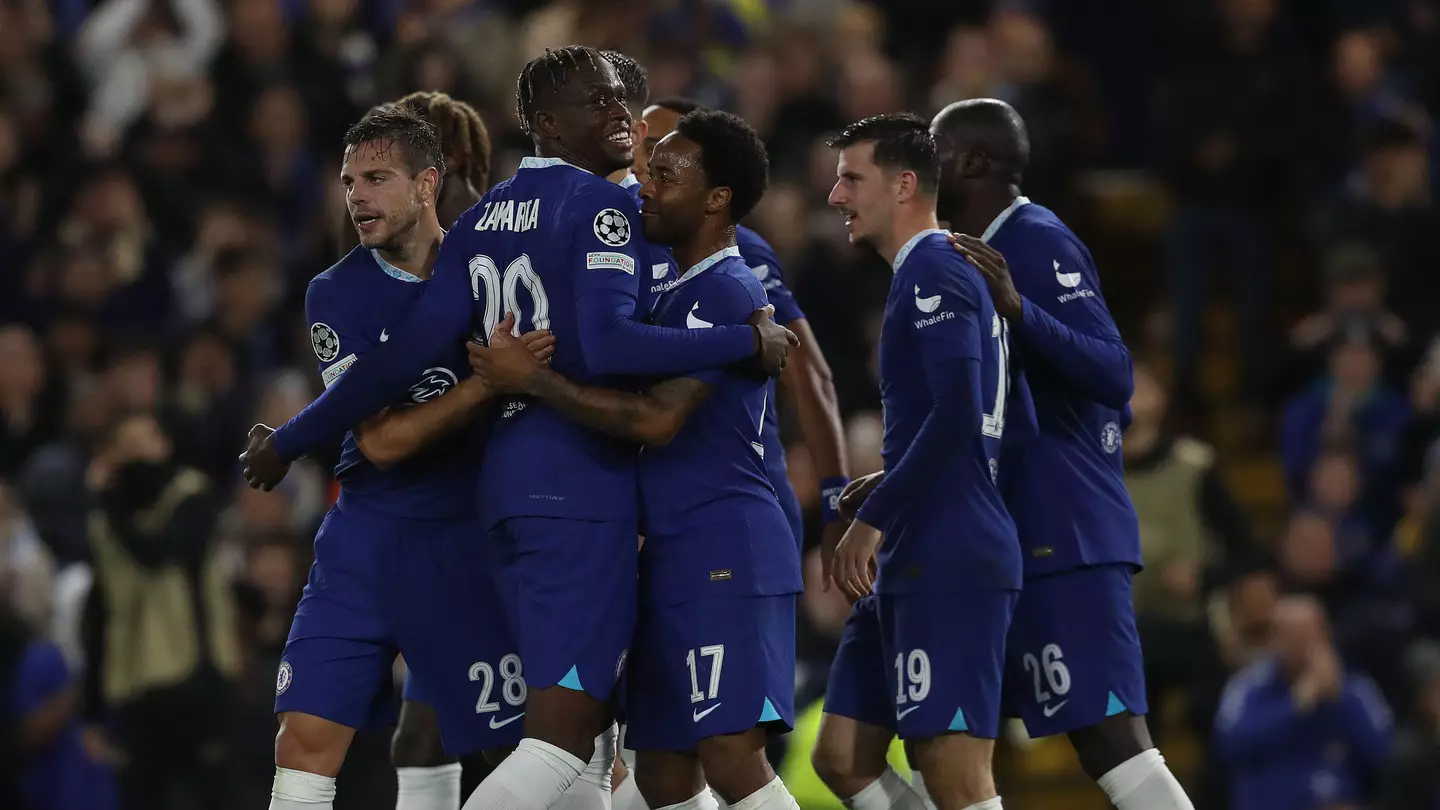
column 610, row 261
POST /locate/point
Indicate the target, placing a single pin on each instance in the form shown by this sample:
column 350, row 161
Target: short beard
column 399, row 236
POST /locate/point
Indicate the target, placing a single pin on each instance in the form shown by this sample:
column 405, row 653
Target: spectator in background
column 1412, row 779
column 1227, row 133
column 129, row 47
column 1297, row 729
column 1354, row 307
column 162, row 651
column 1190, row 526
column 1242, row 619
column 1353, row 407
column 27, row 416
column 1387, row 205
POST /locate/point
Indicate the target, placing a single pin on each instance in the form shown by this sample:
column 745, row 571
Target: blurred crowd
column 168, row 187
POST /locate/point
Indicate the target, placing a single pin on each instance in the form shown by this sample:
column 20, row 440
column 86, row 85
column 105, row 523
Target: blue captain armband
column 830, row 489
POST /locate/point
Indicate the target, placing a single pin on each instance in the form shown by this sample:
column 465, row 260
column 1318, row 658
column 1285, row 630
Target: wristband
column 830, row 489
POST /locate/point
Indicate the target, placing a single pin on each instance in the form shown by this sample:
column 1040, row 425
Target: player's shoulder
column 1035, row 226
column 727, row 292
column 329, row 287
column 753, row 248
column 935, row 259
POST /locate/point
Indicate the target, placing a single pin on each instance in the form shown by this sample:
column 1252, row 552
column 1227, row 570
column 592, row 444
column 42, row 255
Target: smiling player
column 555, row 246
column 713, row 664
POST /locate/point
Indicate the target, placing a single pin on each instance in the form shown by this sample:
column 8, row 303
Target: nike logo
column 694, row 322
column 926, row 304
column 384, row 335
column 698, row 715
column 658, row 271
column 507, row 721
column 1066, row 279
column 901, row 715
column 1051, row 710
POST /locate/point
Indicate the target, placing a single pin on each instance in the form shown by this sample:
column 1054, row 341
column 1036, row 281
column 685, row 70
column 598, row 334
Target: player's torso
column 1066, row 486
column 707, row 501
column 440, row 479
column 963, row 529
column 759, row 257
column 537, row 462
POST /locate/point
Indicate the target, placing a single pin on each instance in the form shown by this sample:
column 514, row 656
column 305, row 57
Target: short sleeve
column 763, row 262
column 606, row 242
column 943, row 303
column 42, row 675
column 718, row 300
column 334, row 336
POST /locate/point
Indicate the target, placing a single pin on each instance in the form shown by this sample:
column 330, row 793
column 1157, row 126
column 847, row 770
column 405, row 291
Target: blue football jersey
column 1066, row 486
column 710, row 512
column 349, row 308
column 952, row 531
column 763, row 262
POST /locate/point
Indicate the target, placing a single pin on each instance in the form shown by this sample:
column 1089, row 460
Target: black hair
column 547, row 73
column 399, row 124
column 732, row 155
column 678, row 104
column 634, row 76
column 902, row 141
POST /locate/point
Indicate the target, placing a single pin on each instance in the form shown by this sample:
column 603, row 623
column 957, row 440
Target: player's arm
column 438, row 319
column 1076, row 339
column 606, row 288
column 652, row 418
column 395, row 434
column 950, row 352
column 807, row 380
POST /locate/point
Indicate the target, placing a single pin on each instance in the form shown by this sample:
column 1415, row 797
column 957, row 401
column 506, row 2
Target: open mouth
column 365, row 221
column 622, row 139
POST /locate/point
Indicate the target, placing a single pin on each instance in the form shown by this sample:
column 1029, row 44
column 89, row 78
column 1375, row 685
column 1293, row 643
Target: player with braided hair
column 556, row 244
column 637, row 94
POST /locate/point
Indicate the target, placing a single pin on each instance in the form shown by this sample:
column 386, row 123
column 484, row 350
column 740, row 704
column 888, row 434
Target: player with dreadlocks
column 557, row 245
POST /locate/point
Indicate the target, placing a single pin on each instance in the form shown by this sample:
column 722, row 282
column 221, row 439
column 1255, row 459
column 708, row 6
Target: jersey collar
column 533, row 162
column 709, row 262
column 1003, row 218
column 395, row 272
column 909, row 246
column 630, row 181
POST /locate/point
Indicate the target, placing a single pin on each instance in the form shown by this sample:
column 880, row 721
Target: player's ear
column 430, row 184
column 907, row 186
column 973, row 164
column 717, row 199
column 639, row 130
column 545, row 124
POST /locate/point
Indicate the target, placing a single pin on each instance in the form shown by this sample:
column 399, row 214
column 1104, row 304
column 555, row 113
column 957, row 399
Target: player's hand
column 996, row 272
column 854, row 568
column 775, row 340
column 506, row 362
column 262, row 466
column 856, row 492
column 541, row 343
